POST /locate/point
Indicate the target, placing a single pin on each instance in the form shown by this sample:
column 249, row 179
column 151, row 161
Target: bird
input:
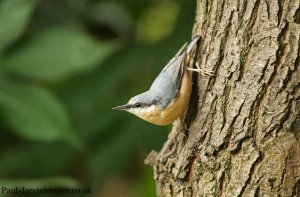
column 169, row 94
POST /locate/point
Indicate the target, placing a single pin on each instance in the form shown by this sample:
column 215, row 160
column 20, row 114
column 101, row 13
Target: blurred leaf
column 114, row 155
column 110, row 15
column 56, row 53
column 39, row 159
column 158, row 21
column 34, row 112
column 14, row 15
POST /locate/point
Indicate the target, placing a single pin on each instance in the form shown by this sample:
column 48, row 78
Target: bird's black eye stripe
column 137, row 105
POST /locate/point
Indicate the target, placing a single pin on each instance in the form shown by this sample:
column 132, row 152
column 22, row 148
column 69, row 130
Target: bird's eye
column 137, row 105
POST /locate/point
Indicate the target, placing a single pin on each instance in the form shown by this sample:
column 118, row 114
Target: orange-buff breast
column 176, row 107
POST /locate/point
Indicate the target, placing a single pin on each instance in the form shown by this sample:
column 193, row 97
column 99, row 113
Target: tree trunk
column 243, row 122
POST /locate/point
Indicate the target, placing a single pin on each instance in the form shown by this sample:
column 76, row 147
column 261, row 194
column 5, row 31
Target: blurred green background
column 63, row 65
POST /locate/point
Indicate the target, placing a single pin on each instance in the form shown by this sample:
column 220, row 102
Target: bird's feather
column 167, row 84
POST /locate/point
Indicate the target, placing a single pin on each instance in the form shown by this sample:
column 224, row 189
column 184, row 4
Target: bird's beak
column 121, row 107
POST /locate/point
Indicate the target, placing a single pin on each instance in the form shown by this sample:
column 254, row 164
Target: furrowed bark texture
column 243, row 122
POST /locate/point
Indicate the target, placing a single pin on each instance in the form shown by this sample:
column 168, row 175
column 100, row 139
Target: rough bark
column 243, row 136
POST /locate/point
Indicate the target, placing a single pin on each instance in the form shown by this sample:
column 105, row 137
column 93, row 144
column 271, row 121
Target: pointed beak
column 121, row 107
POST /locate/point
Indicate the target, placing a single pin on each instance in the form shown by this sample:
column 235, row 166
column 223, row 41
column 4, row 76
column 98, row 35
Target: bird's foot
column 203, row 72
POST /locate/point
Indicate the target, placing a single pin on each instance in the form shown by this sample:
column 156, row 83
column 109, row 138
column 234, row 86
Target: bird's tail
column 192, row 44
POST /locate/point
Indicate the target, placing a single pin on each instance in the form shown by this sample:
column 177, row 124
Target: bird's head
column 142, row 106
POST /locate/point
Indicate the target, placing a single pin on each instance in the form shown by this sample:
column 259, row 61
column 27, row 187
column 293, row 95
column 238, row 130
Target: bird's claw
column 203, row 72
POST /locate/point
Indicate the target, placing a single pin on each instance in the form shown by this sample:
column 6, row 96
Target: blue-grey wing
column 167, row 85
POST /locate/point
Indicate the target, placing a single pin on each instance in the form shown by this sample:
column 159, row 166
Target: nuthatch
column 169, row 94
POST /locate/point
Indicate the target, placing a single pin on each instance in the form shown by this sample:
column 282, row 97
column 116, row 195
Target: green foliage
column 100, row 160
column 30, row 109
column 152, row 27
column 14, row 15
column 63, row 65
column 36, row 160
column 57, row 53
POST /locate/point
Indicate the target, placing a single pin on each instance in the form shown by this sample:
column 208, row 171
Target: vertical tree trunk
column 244, row 122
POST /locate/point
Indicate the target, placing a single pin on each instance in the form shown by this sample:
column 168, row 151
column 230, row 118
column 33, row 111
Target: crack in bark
column 284, row 118
column 280, row 11
column 283, row 174
column 256, row 163
column 222, row 183
column 191, row 168
column 297, row 16
column 241, row 15
column 244, row 54
column 221, row 12
column 264, row 70
column 256, row 194
column 223, row 42
column 296, row 189
column 212, row 104
column 285, row 81
column 248, row 29
column 224, row 105
column 268, row 9
column 230, row 128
